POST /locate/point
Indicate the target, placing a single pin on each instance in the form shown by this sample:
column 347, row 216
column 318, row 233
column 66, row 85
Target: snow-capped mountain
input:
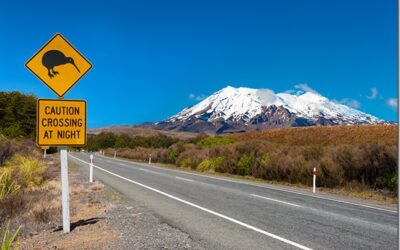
column 240, row 109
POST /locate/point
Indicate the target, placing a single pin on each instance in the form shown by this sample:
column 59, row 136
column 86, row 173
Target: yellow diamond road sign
column 59, row 65
column 61, row 122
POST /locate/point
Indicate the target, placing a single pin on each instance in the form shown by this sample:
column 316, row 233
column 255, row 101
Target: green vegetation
column 245, row 164
column 17, row 115
column 109, row 140
column 173, row 155
column 9, row 240
column 214, row 141
column 210, row 165
column 18, row 173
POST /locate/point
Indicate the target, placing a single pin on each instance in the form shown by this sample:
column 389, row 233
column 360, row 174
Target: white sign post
column 44, row 153
column 60, row 82
column 314, row 179
column 64, row 188
column 91, row 169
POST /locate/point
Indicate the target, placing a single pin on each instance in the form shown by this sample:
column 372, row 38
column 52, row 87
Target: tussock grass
column 9, row 240
column 18, row 173
column 7, row 185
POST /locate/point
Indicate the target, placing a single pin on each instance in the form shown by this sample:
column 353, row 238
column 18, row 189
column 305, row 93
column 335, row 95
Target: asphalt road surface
column 224, row 213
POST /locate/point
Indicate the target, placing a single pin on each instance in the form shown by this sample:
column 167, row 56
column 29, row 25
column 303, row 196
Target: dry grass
column 327, row 135
column 96, row 186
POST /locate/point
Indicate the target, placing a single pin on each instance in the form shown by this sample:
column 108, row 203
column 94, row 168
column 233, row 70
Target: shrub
column 245, row 164
column 186, row 163
column 6, row 150
column 264, row 167
column 214, row 141
column 210, row 165
column 173, row 155
column 313, row 152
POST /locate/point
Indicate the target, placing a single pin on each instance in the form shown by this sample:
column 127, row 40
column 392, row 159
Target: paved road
column 230, row 214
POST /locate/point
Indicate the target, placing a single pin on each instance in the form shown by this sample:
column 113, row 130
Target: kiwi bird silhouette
column 54, row 58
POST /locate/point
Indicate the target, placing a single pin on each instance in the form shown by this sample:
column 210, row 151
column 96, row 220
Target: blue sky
column 153, row 58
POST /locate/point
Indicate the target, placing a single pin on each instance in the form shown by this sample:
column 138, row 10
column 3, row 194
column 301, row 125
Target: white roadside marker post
column 91, row 169
column 64, row 188
column 115, row 154
column 314, row 173
column 150, row 159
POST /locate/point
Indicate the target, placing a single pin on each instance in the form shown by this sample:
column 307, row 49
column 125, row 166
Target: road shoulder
column 102, row 219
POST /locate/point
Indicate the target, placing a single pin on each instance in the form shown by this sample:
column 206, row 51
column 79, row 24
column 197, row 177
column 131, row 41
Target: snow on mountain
column 244, row 104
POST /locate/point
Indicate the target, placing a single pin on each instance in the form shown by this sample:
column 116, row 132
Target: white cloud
column 350, row 102
column 197, row 97
column 392, row 102
column 304, row 87
column 374, row 93
column 267, row 96
column 300, row 89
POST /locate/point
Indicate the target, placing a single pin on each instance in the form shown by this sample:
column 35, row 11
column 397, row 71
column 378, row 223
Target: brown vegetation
column 327, row 135
column 363, row 157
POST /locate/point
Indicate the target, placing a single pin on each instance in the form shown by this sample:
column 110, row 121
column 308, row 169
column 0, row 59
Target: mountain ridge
column 241, row 109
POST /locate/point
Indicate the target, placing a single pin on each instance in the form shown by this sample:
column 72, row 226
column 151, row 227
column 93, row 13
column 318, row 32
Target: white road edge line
column 180, row 178
column 270, row 199
column 262, row 186
column 203, row 209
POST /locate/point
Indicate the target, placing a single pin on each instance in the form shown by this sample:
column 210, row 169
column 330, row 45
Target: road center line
column 270, row 199
column 180, row 178
column 202, row 208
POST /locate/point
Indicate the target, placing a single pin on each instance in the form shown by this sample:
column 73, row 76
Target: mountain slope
column 242, row 109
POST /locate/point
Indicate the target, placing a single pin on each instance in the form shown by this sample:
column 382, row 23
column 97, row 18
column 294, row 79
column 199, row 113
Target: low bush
column 214, row 141
column 245, row 164
column 370, row 162
column 210, row 165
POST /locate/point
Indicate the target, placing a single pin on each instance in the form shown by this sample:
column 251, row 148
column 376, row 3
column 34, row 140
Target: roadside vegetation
column 352, row 158
column 28, row 190
column 17, row 115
